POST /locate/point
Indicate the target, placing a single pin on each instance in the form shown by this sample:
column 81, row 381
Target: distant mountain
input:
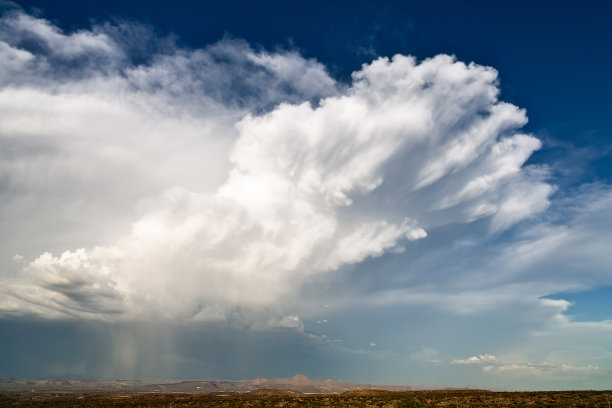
column 298, row 383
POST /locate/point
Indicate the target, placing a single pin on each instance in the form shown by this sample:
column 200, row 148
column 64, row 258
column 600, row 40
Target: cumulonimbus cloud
column 248, row 176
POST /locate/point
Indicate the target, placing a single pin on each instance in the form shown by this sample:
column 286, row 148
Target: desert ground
column 287, row 398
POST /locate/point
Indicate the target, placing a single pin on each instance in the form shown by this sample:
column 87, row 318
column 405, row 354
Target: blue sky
column 397, row 193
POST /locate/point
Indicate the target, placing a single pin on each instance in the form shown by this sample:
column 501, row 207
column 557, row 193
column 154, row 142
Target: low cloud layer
column 249, row 171
column 490, row 363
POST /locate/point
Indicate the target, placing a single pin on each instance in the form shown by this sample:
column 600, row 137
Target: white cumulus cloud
column 491, row 364
column 236, row 181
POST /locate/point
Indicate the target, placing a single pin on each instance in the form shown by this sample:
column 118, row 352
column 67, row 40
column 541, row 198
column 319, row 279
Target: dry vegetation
column 287, row 399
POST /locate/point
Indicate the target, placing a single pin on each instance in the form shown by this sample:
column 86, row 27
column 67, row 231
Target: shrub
column 411, row 403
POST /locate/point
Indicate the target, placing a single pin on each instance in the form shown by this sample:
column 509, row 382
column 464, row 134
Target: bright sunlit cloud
column 428, row 141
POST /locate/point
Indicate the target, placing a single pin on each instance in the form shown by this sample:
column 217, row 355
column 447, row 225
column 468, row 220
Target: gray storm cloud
column 208, row 180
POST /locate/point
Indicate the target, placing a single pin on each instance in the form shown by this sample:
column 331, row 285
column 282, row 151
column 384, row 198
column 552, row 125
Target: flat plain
column 287, row 399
